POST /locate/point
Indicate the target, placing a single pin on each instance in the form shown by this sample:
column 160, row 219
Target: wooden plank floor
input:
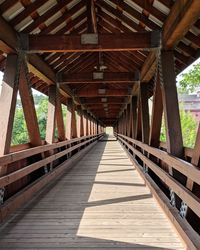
column 102, row 203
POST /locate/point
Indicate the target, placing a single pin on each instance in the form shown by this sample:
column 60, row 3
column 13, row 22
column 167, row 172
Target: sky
column 179, row 76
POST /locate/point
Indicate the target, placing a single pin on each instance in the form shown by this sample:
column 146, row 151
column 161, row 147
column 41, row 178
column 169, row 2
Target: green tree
column 190, row 80
column 19, row 133
column 188, row 127
column 41, row 105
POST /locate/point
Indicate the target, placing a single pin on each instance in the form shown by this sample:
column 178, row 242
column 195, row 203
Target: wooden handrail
column 182, row 166
column 187, row 151
column 16, row 175
column 185, row 194
column 16, row 156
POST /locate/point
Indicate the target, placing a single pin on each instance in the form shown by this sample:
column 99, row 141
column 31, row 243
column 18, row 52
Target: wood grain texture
column 102, row 203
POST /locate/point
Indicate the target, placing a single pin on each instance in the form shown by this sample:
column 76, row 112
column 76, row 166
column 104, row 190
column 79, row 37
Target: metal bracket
column 145, row 169
column 172, row 198
column 46, row 169
column 2, row 193
column 183, row 209
column 89, row 39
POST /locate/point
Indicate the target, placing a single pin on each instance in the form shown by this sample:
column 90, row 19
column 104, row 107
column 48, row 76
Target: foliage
column 188, row 126
column 20, row 134
column 41, row 105
column 190, row 80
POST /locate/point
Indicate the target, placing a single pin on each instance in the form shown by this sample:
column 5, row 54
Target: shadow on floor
column 52, row 219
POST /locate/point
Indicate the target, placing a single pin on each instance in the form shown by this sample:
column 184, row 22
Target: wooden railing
column 148, row 157
column 59, row 156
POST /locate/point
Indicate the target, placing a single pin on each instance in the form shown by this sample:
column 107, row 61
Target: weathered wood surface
column 102, row 203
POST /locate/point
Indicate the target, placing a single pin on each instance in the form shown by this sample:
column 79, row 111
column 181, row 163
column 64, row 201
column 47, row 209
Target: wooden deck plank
column 102, row 203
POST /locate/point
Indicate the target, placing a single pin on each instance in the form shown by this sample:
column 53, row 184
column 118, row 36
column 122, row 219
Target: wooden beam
column 99, row 77
column 183, row 15
column 109, row 100
column 102, row 92
column 93, row 42
column 91, row 17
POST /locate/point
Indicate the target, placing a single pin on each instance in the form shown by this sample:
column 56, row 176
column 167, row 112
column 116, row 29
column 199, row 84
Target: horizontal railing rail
column 189, row 170
column 71, row 150
column 16, row 156
column 18, row 174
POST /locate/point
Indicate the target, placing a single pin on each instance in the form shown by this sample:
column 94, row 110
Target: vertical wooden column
column 59, row 117
column 81, row 124
column 78, row 123
column 124, row 123
column 68, row 123
column 73, row 121
column 90, row 126
column 138, row 132
column 54, row 116
column 128, row 120
column 86, row 125
column 71, row 126
column 51, row 115
column 156, row 118
column 172, row 117
column 171, row 109
column 144, row 112
column 88, row 120
column 133, row 117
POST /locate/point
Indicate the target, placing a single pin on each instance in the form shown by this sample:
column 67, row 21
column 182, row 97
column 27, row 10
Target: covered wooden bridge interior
column 104, row 60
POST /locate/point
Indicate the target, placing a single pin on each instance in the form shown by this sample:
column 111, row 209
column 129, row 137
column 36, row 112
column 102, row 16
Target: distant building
column 191, row 103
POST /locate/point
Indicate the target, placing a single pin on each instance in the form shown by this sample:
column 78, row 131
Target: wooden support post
column 81, row 124
column 59, row 117
column 73, row 122
column 90, row 126
column 78, row 122
column 134, row 117
column 68, row 123
column 144, row 112
column 128, row 120
column 86, row 124
column 172, row 117
column 170, row 103
column 51, row 115
column 138, row 122
column 156, row 118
